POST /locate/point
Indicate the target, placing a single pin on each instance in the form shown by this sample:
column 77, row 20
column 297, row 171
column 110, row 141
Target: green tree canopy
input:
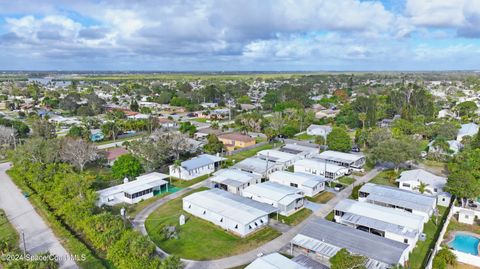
column 396, row 151
column 343, row 259
column 127, row 166
column 339, row 140
column 213, row 144
column 464, row 178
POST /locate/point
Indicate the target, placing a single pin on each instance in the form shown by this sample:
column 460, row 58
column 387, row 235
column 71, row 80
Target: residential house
column 281, row 159
column 236, row 214
column 304, row 150
column 392, row 197
column 286, row 199
column 348, row 160
column 412, row 179
column 257, row 166
column 274, row 261
column 234, row 141
column 317, row 167
column 383, row 221
column 321, row 239
column 319, row 130
column 131, row 192
column 114, row 153
column 309, row 184
column 233, row 180
column 204, row 164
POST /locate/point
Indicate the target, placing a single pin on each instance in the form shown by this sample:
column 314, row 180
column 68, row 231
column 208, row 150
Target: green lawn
column 199, row 239
column 330, row 216
column 386, row 177
column 295, row 218
column 7, row 233
column 322, row 197
column 204, row 120
column 304, row 136
column 179, row 183
column 346, row 180
column 249, row 153
column 134, row 209
column 419, row 254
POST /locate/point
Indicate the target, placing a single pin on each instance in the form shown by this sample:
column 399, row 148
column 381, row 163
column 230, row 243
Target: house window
column 405, row 241
column 250, row 227
column 189, row 206
column 204, row 212
column 435, row 190
column 466, row 217
column 221, row 220
column 236, row 226
column 261, row 221
column 293, row 185
column 406, row 185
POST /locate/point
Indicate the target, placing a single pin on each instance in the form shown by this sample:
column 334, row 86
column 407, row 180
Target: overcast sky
column 202, row 35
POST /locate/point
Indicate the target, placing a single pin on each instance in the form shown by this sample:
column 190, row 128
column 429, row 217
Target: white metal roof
column 254, row 164
column 385, row 214
column 143, row 182
column 274, row 261
column 275, row 192
column 339, row 156
column 229, row 174
column 468, row 129
column 299, row 178
column 421, row 175
column 229, row 205
column 320, row 165
column 276, row 155
column 201, row 161
column 399, row 197
column 328, row 237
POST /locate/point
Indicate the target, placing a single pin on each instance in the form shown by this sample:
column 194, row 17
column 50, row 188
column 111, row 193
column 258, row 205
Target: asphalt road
column 38, row 236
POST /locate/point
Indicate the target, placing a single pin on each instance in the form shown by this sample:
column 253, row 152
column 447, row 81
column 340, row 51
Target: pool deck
column 451, row 237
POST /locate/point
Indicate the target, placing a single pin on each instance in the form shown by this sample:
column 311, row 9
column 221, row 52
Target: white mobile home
column 309, row 184
column 196, row 167
column 319, row 130
column 304, row 150
column 412, row 179
column 287, row 199
column 233, row 180
column 234, row 213
column 146, row 186
column 325, row 238
column 382, row 221
column 317, row 167
column 404, row 200
column 274, row 261
column 282, row 159
column 352, row 161
column 258, row 166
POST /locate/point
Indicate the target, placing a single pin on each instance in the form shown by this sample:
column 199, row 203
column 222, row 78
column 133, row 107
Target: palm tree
column 177, row 164
column 422, row 187
column 362, row 117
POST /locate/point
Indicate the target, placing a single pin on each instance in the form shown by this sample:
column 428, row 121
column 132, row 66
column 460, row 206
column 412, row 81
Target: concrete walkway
column 272, row 246
column 21, row 214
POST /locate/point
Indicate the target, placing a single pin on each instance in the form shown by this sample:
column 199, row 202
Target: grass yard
column 199, row 239
column 304, row 136
column 179, row 183
column 386, row 177
column 203, row 120
column 419, row 254
column 346, row 180
column 330, row 216
column 251, row 152
column 322, row 197
column 8, row 234
column 295, row 218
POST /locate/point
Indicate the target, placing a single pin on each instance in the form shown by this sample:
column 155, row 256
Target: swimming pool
column 465, row 243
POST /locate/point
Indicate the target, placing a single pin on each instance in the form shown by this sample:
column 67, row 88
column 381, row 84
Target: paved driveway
column 38, row 236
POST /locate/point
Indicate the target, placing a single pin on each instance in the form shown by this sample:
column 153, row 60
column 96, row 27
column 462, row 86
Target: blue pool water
column 465, row 243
